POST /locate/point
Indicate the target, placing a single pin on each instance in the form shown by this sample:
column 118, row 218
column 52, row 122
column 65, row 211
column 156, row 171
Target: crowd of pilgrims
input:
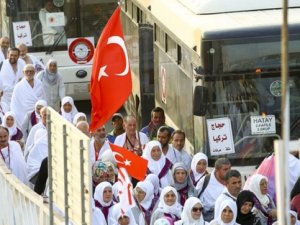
column 178, row 189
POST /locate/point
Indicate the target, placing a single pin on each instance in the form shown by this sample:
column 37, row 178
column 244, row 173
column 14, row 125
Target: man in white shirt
column 26, row 93
column 164, row 137
column 214, row 187
column 30, row 59
column 11, row 154
column 98, row 145
column 232, row 190
column 178, row 141
column 4, row 45
column 11, row 73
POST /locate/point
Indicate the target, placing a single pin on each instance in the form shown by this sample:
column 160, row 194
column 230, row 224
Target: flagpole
column 281, row 150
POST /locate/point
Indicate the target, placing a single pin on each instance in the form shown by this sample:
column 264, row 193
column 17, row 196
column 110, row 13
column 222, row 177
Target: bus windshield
column 242, row 98
column 250, row 54
column 52, row 22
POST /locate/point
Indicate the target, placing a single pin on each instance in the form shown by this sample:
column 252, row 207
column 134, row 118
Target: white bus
column 68, row 34
column 215, row 70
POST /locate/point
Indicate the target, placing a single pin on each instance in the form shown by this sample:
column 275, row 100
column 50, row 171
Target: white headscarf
column 68, row 116
column 117, row 212
column 98, row 195
column 153, row 178
column 232, row 205
column 77, row 116
column 199, row 156
column 186, row 215
column 12, row 130
column 148, row 188
column 292, row 212
column 174, row 209
column 255, row 188
column 39, row 103
column 153, row 165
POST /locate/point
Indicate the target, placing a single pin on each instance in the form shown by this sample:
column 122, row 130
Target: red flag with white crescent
column 135, row 165
column 111, row 78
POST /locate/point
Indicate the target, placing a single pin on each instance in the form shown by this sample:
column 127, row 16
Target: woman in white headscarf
column 80, row 116
column 168, row 206
column 153, row 178
column 121, row 216
column 198, row 168
column 9, row 121
column 68, row 109
column 53, row 84
column 104, row 200
column 158, row 163
column 144, row 194
column 227, row 214
column 192, row 213
column 264, row 209
column 32, row 118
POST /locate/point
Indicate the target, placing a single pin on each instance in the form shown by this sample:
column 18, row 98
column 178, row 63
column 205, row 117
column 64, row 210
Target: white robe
column 38, row 153
column 9, row 78
column 24, row 98
column 212, row 191
column 2, row 58
column 16, row 163
column 120, row 140
column 30, row 139
column 103, row 149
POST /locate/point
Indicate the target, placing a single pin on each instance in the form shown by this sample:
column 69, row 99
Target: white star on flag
column 127, row 162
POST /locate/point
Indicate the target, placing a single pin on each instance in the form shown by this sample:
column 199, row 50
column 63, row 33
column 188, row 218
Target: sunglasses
column 197, row 209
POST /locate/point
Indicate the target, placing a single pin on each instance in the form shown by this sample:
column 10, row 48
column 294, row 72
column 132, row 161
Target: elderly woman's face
column 155, row 153
column 263, row 186
column 52, row 68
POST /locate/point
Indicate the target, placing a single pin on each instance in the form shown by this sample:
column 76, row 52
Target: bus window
column 52, row 23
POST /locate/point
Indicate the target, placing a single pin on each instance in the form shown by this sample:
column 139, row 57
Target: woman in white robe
column 192, row 213
column 198, row 168
column 144, row 194
column 168, row 206
column 32, row 118
column 227, row 214
column 158, row 163
column 121, row 215
column 265, row 209
column 104, row 200
column 68, row 109
column 15, row 134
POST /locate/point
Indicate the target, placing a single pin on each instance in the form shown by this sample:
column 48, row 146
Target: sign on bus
column 220, row 136
column 263, row 124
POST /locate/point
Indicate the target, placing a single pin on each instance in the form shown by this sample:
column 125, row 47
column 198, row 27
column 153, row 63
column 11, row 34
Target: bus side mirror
column 200, row 101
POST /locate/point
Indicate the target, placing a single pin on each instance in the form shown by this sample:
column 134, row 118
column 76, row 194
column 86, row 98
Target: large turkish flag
column 111, row 78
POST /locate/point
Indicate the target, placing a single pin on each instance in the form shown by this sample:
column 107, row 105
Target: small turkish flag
column 135, row 165
column 111, row 78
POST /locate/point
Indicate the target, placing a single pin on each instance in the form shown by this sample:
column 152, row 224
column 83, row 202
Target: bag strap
column 1, row 64
column 205, row 183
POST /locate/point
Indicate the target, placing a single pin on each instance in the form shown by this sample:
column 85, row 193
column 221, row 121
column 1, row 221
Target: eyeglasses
column 197, row 209
column 29, row 71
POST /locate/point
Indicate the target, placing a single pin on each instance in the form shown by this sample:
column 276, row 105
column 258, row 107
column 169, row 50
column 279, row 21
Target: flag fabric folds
column 111, row 78
column 135, row 165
